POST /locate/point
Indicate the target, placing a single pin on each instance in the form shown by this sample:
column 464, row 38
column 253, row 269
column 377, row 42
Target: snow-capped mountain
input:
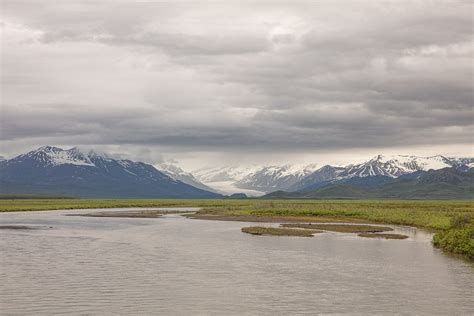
column 383, row 166
column 395, row 166
column 321, row 176
column 274, row 178
column 445, row 183
column 54, row 156
column 253, row 180
column 54, row 171
column 218, row 174
column 459, row 162
column 224, row 179
column 179, row 174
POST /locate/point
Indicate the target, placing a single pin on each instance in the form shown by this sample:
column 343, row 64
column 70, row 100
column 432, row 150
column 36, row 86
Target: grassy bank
column 459, row 238
column 16, row 205
column 453, row 221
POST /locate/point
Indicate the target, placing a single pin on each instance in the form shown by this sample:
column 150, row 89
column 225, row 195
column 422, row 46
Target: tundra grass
column 16, row 205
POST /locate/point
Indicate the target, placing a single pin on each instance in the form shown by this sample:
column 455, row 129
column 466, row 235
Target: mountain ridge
column 251, row 180
column 53, row 171
column 288, row 177
column 446, row 183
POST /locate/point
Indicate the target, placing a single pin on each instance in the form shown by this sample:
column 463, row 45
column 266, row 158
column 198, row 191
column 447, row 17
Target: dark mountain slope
column 53, row 171
column 447, row 183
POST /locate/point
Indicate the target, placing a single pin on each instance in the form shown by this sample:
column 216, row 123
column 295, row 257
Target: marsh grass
column 427, row 214
column 16, row 205
column 272, row 231
column 384, row 236
column 341, row 228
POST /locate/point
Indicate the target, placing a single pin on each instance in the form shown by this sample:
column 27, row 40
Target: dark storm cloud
column 231, row 76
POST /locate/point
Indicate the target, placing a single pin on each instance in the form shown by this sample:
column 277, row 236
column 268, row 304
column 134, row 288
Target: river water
column 174, row 265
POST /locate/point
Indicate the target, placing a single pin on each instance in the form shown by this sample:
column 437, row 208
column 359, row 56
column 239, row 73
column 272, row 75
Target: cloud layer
column 237, row 77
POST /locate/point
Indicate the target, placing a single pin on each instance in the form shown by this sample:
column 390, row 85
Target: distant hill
column 54, row 171
column 446, row 183
column 237, row 196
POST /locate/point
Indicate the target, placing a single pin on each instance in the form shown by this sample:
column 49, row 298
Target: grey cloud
column 239, row 77
column 171, row 43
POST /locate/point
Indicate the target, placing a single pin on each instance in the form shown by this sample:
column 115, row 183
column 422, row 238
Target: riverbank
column 451, row 221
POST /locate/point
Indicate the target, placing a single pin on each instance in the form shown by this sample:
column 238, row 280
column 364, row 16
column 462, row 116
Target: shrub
column 459, row 241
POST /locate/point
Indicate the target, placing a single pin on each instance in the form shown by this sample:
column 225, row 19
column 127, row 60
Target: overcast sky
column 238, row 82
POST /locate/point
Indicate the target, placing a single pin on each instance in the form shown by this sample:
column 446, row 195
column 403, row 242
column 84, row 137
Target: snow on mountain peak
column 396, row 165
column 48, row 150
column 410, row 163
column 170, row 168
column 254, row 179
column 56, row 156
column 179, row 174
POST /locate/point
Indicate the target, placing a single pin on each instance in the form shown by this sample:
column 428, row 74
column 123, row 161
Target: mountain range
column 253, row 180
column 446, row 183
column 53, row 171
column 265, row 179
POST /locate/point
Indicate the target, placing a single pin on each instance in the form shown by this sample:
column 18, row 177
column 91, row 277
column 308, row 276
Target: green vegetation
column 307, row 230
column 459, row 238
column 432, row 215
column 341, row 228
column 258, row 230
column 453, row 221
column 384, row 236
column 67, row 204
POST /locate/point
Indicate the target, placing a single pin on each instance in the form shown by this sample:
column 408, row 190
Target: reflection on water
column 174, row 265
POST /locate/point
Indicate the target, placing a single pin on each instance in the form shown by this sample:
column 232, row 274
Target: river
column 174, row 265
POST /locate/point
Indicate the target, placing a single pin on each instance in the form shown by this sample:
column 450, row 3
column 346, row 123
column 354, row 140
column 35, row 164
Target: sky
column 238, row 82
